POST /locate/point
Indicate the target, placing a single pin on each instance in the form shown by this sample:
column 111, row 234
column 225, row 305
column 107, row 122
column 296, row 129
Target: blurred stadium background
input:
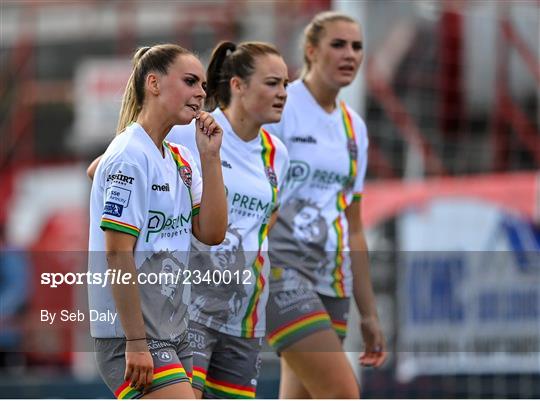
column 450, row 91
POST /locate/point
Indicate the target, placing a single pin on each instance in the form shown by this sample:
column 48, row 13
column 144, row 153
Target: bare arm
column 91, row 170
column 364, row 296
column 139, row 364
column 273, row 220
column 210, row 225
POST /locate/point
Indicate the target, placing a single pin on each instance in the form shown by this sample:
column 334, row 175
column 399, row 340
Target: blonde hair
column 315, row 29
column 145, row 60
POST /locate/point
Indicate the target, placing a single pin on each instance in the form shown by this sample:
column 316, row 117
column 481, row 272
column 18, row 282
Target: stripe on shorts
column 162, row 375
column 306, row 322
column 199, row 376
column 340, row 327
column 225, row 389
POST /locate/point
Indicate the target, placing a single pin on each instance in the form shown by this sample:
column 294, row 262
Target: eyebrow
column 196, row 78
column 275, row 77
column 345, row 40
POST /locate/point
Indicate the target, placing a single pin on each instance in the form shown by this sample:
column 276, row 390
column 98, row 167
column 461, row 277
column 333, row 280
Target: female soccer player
column 147, row 199
column 246, row 87
column 317, row 248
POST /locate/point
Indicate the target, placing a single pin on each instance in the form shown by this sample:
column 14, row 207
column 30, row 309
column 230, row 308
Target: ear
column 152, row 83
column 237, row 85
column 311, row 53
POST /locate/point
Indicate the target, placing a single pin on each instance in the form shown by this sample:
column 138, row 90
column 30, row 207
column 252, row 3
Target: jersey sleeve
column 196, row 182
column 362, row 157
column 125, row 198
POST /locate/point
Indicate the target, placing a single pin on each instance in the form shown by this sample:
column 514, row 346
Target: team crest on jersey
column 185, row 174
column 271, row 175
column 352, row 148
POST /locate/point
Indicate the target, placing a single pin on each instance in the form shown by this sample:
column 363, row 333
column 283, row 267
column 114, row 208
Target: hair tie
column 230, row 49
column 145, row 49
column 139, row 54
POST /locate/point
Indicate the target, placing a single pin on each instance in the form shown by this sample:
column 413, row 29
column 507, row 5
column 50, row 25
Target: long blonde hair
column 145, row 60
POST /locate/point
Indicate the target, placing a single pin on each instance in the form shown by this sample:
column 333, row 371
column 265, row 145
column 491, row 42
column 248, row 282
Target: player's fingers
column 134, row 378
column 129, row 371
column 365, row 359
column 380, row 359
column 204, row 119
column 212, row 128
column 141, row 381
column 149, row 378
column 370, row 359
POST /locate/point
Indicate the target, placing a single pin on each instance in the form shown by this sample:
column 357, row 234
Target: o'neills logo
column 185, row 174
column 304, row 139
column 162, row 188
column 271, row 175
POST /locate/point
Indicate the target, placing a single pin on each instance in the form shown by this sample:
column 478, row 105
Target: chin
column 275, row 118
column 185, row 119
column 345, row 81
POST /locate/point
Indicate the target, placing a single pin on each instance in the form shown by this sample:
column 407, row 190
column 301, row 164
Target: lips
column 349, row 68
column 194, row 107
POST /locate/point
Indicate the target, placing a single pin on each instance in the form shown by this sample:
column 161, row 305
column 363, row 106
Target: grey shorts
column 295, row 310
column 224, row 366
column 172, row 364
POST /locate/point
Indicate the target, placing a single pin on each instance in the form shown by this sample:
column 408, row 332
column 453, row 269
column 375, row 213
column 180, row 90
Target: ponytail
column 240, row 62
column 130, row 107
column 218, row 92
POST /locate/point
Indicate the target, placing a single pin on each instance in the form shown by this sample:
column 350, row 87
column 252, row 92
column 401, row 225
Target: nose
column 282, row 93
column 201, row 93
column 350, row 53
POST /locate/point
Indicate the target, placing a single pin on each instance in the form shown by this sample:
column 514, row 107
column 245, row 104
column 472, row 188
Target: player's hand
column 375, row 353
column 139, row 365
column 208, row 135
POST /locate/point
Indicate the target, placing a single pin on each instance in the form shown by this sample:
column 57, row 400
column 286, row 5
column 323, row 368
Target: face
column 305, row 226
column 182, row 90
column 169, row 269
column 263, row 95
column 225, row 253
column 338, row 55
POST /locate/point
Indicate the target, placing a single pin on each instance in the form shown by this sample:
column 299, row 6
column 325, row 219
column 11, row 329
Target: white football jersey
column 253, row 173
column 328, row 159
column 138, row 191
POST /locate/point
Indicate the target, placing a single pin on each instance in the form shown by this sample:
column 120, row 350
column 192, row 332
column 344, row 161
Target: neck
column 242, row 124
column 156, row 130
column 324, row 95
